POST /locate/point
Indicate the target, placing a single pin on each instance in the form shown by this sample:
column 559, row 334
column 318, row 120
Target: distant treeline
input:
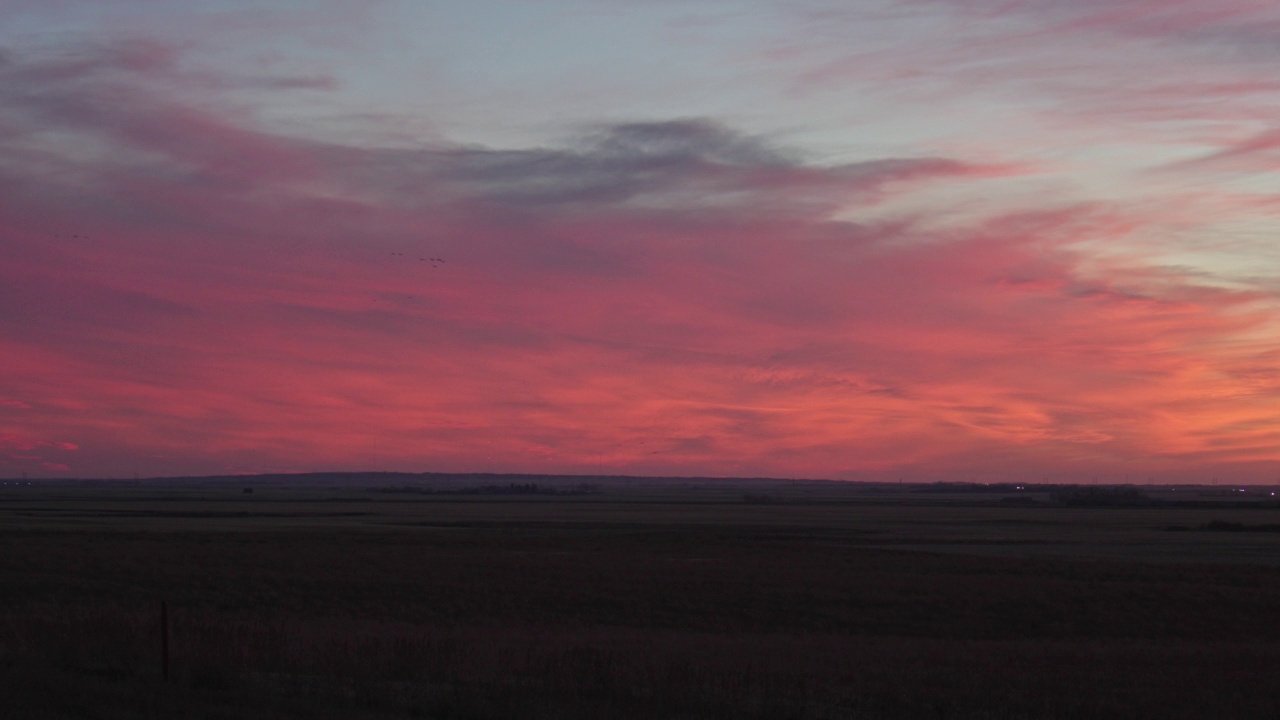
column 1229, row 526
column 1093, row 495
column 508, row 489
column 1104, row 496
column 975, row 487
column 1071, row 494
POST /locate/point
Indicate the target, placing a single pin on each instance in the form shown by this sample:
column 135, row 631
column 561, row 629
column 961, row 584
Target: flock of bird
column 435, row 261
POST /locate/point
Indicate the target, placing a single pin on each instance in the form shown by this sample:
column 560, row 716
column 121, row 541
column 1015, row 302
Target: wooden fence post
column 164, row 639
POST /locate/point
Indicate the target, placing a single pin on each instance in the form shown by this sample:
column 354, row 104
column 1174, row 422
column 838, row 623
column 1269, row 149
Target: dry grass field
column 634, row 600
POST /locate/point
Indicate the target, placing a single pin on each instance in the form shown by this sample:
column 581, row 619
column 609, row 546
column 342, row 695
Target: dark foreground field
column 664, row 603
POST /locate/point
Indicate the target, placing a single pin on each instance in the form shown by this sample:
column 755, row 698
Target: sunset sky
column 854, row 239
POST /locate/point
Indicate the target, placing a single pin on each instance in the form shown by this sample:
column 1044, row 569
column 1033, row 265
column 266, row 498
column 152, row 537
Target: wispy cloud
column 1112, row 63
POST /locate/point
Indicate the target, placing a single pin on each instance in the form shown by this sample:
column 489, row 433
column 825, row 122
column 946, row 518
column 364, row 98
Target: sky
column 936, row 240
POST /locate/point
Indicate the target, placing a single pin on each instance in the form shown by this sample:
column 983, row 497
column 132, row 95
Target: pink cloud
column 16, row 442
column 24, row 442
column 668, row 297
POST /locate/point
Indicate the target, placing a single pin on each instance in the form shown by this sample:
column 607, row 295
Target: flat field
column 634, row 599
